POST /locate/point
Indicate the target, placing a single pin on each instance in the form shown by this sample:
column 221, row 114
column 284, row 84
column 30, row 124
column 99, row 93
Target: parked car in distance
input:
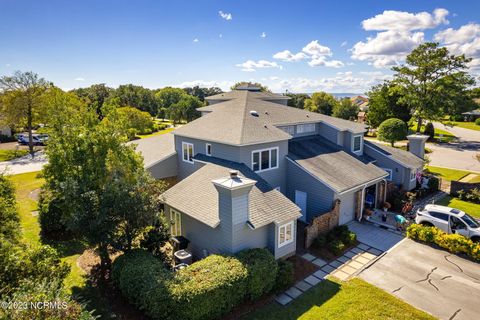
column 38, row 139
column 449, row 220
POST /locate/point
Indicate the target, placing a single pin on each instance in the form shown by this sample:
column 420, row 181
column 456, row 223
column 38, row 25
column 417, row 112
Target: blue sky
column 336, row 46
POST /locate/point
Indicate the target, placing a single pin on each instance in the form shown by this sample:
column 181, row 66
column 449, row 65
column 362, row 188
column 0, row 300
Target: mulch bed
column 328, row 256
column 89, row 259
column 303, row 268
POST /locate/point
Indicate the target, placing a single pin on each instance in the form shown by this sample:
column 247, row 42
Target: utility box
column 183, row 257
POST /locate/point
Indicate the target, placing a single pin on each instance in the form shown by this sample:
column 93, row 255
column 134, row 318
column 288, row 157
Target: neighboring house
column 361, row 117
column 250, row 167
column 361, row 102
column 471, row 115
column 5, row 130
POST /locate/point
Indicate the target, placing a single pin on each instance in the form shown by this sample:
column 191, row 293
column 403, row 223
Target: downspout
column 385, row 190
column 362, row 203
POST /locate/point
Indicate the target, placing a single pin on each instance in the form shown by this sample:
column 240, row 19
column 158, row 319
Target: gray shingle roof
column 232, row 121
column 329, row 163
column 155, row 148
column 197, row 197
column 404, row 157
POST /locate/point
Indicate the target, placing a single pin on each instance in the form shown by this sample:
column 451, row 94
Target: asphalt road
column 24, row 164
column 433, row 280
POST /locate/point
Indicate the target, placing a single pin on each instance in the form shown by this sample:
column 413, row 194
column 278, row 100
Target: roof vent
column 266, row 112
column 254, row 113
column 308, row 116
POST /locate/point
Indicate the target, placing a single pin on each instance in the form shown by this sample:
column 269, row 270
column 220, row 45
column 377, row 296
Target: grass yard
column 448, row 174
column 27, row 205
column 472, row 209
column 447, row 136
column 466, row 125
column 333, row 299
column 156, row 133
column 6, row 155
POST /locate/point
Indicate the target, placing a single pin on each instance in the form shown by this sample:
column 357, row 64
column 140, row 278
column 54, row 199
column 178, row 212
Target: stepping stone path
column 343, row 268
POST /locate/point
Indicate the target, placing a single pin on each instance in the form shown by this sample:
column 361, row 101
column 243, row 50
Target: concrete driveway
column 24, row 164
column 433, row 280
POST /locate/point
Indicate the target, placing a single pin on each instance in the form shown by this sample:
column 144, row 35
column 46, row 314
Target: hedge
column 204, row 290
column 262, row 271
column 454, row 243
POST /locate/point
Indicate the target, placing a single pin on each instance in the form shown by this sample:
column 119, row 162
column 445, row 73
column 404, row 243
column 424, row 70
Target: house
column 361, row 117
column 5, row 131
column 361, row 102
column 251, row 169
column 471, row 115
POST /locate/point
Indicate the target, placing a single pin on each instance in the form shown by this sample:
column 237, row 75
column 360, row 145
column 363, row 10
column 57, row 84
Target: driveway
column 24, row 164
column 375, row 237
column 433, row 280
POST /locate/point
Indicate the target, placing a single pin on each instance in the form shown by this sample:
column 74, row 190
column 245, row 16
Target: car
column 38, row 139
column 450, row 220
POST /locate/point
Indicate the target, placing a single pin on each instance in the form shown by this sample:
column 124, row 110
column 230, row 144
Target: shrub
column 285, row 275
column 457, row 118
column 205, row 290
column 392, row 130
column 429, row 130
column 454, row 243
column 433, row 184
column 4, row 138
column 336, row 247
column 262, row 271
column 320, row 241
column 209, row 288
column 50, row 216
column 477, row 121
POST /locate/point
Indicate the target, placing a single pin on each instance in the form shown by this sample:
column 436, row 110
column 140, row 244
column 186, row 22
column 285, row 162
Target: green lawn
column 156, row 133
column 447, row 136
column 466, row 125
column 6, row 155
column 448, row 174
column 333, row 299
column 69, row 250
column 472, row 209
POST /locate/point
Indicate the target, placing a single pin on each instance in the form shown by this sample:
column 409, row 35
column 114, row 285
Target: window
column 264, row 159
column 413, row 175
column 289, row 129
column 306, row 128
column 285, row 234
column 457, row 224
column 175, row 223
column 277, row 188
column 390, row 174
column 439, row 215
column 208, row 149
column 187, row 152
column 357, row 144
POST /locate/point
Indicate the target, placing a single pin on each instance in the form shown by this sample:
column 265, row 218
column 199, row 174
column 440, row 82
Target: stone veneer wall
column 322, row 224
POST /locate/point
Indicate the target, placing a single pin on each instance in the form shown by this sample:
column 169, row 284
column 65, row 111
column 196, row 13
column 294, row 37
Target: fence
column 322, row 224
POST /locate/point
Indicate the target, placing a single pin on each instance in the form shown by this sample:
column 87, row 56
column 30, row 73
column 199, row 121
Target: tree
column 135, row 96
column 392, row 130
column 10, row 226
column 297, row 100
column 94, row 96
column 384, row 104
column 185, row 109
column 345, row 109
column 133, row 121
column 169, row 96
column 201, row 93
column 21, row 100
column 106, row 195
column 321, row 102
column 433, row 82
column 250, row 84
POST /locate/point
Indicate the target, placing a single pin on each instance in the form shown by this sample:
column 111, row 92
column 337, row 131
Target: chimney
column 233, row 198
column 416, row 144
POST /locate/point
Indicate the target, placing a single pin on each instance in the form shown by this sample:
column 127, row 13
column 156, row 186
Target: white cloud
column 315, row 49
column 225, row 15
column 220, row 35
column 464, row 40
column 286, row 55
column 344, row 43
column 321, row 61
column 251, row 65
column 387, row 48
column 79, row 79
column 195, row 40
column 263, row 35
column 406, row 21
column 343, row 82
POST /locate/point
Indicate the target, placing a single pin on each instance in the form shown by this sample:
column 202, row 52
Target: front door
column 301, row 202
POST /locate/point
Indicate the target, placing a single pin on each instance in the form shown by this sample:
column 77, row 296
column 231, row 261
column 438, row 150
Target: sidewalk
column 24, row 164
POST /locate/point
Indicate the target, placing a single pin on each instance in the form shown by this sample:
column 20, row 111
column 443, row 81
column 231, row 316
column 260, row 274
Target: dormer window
column 357, row 144
column 187, row 152
column 208, row 149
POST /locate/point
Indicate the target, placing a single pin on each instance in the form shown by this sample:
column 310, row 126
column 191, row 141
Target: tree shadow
column 66, row 247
